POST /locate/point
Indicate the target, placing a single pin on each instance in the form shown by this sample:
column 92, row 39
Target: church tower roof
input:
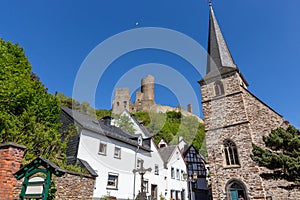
column 218, row 51
column 219, row 60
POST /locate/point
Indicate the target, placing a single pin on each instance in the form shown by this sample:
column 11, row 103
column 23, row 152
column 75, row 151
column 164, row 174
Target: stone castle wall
column 121, row 100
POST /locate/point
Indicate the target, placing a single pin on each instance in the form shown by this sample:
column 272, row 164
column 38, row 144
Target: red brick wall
column 10, row 160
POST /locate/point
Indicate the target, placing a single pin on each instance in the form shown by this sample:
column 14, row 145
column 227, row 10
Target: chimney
column 11, row 156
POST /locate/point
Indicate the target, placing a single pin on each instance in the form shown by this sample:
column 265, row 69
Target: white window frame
column 117, row 152
column 115, row 181
column 104, row 151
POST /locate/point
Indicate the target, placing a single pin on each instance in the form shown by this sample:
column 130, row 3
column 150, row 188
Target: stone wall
column 121, row 100
column 225, row 117
column 74, row 186
column 241, row 117
column 263, row 119
column 71, row 186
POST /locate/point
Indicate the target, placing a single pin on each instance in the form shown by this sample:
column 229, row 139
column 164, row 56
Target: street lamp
column 191, row 179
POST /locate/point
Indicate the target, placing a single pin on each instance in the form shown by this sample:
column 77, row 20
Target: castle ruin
column 144, row 97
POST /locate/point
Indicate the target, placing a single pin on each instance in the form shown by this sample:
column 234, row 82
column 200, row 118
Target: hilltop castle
column 144, row 100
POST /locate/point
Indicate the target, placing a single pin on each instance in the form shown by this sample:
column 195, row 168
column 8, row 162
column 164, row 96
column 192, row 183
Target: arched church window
column 231, row 153
column 235, row 190
column 219, row 88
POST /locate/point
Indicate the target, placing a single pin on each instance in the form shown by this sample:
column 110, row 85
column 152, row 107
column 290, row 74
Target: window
column 146, row 185
column 139, row 163
column 219, row 88
column 182, row 172
column 231, row 154
column 183, row 195
column 177, row 174
column 156, row 170
column 118, row 104
column 172, row 172
column 172, row 193
column 117, row 153
column 102, row 148
column 112, row 182
column 125, row 104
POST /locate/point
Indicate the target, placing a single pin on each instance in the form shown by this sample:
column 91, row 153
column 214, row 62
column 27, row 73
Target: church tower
column 234, row 119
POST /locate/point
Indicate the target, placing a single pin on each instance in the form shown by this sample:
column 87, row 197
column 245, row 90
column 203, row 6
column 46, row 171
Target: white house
column 176, row 187
column 113, row 154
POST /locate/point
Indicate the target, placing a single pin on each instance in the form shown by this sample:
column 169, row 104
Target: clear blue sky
column 263, row 37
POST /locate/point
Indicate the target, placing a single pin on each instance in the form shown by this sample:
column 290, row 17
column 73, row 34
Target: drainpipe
column 135, row 160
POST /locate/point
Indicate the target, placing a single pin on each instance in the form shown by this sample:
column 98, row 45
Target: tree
column 125, row 123
column 171, row 125
column 282, row 154
column 83, row 107
column 28, row 114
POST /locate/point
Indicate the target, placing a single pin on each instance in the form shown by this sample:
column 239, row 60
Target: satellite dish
column 140, row 141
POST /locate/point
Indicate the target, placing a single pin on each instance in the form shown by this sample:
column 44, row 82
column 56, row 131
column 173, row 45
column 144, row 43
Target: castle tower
column 148, row 92
column 121, row 100
column 145, row 98
column 234, row 119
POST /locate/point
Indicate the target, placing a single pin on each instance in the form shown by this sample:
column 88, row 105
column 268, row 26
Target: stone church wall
column 226, row 118
column 263, row 119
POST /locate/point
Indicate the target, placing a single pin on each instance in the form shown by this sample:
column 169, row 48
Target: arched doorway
column 236, row 190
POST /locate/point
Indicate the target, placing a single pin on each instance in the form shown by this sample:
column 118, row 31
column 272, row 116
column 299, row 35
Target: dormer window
column 219, row 88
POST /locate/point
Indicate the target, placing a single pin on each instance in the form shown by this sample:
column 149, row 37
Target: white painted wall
column 177, row 162
column 105, row 164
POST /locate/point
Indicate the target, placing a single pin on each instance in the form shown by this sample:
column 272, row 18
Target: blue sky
column 263, row 37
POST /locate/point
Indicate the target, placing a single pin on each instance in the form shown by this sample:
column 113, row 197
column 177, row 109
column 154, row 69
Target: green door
column 234, row 194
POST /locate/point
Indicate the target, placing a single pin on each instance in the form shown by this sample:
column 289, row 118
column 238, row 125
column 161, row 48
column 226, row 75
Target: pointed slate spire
column 219, row 54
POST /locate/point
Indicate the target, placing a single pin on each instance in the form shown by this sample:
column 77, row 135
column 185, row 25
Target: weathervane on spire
column 210, row 2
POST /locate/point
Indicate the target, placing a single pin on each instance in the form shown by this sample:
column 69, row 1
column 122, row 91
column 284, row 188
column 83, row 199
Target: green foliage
column 161, row 197
column 28, row 114
column 171, row 125
column 52, row 191
column 103, row 113
column 282, row 153
column 125, row 123
column 143, row 116
column 83, row 107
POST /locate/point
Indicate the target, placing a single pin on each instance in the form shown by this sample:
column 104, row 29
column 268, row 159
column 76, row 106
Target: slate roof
column 217, row 47
column 166, row 153
column 86, row 165
column 219, row 60
column 99, row 126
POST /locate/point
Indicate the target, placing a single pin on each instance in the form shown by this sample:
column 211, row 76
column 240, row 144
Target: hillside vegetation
column 169, row 125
